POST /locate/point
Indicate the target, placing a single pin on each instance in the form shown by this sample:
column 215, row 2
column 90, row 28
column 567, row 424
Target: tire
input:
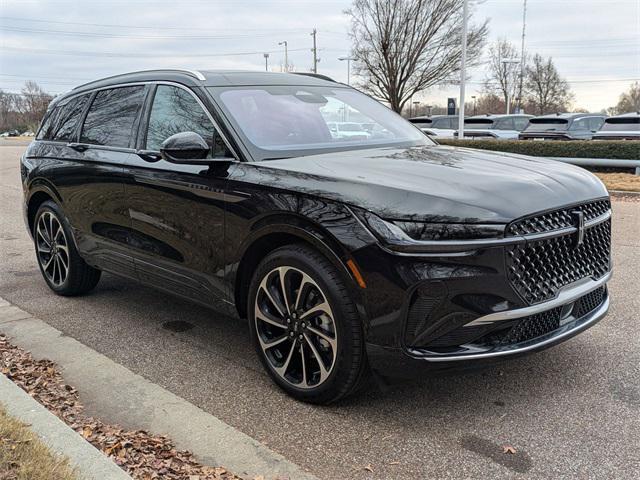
column 330, row 332
column 62, row 268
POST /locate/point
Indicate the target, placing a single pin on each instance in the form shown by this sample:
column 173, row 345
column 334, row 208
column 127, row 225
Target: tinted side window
column 112, row 115
column 580, row 124
column 505, row 124
column 45, row 129
column 521, row 123
column 596, row 123
column 66, row 120
column 175, row 110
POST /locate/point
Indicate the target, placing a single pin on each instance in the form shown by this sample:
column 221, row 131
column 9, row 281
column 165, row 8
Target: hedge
column 620, row 149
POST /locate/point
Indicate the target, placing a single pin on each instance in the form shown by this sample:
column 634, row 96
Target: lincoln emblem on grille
column 578, row 221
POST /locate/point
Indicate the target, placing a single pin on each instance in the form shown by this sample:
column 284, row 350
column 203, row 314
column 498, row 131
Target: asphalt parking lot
column 570, row 412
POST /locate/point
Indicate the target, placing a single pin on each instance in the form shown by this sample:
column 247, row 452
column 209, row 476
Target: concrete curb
column 129, row 399
column 91, row 464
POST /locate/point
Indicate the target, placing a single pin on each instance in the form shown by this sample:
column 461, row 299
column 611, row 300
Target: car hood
column 437, row 183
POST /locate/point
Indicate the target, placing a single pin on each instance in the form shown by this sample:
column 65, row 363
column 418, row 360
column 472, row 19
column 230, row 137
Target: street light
column 348, row 59
column 286, row 55
column 266, row 62
column 504, row 62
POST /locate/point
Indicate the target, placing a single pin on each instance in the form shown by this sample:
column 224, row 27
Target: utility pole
column 266, row 62
column 348, row 59
column 524, row 30
column 315, row 51
column 286, row 55
column 463, row 61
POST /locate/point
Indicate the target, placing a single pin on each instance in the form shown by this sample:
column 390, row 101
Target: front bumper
column 406, row 362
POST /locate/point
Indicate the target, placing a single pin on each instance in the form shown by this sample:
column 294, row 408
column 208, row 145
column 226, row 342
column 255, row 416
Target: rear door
column 177, row 211
column 92, row 136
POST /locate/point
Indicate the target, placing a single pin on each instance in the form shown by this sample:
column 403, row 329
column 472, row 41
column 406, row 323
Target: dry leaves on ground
column 142, row 455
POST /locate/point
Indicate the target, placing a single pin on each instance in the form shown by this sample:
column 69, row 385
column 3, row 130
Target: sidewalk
column 128, row 399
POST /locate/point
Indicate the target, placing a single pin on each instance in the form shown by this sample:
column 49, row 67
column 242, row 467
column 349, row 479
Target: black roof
column 212, row 78
column 568, row 116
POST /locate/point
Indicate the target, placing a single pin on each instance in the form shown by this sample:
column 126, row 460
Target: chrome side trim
column 568, row 294
column 567, row 331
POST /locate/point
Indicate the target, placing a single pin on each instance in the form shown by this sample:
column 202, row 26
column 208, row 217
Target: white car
column 443, row 126
column 495, row 127
column 620, row 127
column 348, row 131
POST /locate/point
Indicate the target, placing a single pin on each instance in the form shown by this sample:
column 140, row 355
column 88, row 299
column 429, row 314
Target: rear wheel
column 305, row 327
column 65, row 272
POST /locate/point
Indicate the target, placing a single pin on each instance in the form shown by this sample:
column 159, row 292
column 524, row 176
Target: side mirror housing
column 186, row 148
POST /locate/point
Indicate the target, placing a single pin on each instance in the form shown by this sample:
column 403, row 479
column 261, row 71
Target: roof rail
column 315, row 75
column 194, row 73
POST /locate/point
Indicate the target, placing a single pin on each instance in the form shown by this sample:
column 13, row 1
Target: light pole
column 266, row 62
column 506, row 79
column 348, row 59
column 463, row 61
column 286, row 55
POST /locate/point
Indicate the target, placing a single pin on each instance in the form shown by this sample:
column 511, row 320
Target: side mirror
column 185, row 147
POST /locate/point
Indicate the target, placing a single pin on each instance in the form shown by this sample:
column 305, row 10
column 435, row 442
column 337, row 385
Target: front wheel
column 65, row 272
column 305, row 326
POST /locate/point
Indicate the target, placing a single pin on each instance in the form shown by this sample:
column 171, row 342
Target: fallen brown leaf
column 508, row 449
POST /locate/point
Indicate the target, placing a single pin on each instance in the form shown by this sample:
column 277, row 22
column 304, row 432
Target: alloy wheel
column 296, row 327
column 52, row 248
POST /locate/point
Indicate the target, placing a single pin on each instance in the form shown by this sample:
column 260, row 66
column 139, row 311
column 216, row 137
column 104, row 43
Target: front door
column 177, row 211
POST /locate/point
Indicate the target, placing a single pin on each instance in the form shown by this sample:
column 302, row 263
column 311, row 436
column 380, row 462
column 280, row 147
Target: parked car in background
column 498, row 127
column 620, row 127
column 10, row 133
column 437, row 125
column 28, row 133
column 348, row 131
column 563, row 126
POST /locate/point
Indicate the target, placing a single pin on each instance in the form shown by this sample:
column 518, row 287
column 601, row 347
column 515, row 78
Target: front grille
column 538, row 269
column 535, row 326
column 589, row 302
column 557, row 219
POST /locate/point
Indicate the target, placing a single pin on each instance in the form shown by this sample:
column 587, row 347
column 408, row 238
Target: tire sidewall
column 52, row 207
column 296, row 257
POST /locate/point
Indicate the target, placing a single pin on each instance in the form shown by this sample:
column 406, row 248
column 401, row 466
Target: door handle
column 78, row 147
column 149, row 155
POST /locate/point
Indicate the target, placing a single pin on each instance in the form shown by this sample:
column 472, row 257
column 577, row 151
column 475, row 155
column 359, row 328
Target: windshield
column 289, row 121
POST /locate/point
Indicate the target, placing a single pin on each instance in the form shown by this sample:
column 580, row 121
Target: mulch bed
column 140, row 454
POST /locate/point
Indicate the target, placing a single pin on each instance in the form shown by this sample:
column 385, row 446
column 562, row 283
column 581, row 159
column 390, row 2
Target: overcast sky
column 61, row 43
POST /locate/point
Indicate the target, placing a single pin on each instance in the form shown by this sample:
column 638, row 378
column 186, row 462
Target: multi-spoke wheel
column 52, row 248
column 305, row 326
column 62, row 268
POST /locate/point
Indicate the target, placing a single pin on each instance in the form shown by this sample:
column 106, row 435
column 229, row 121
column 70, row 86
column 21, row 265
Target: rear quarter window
column 64, row 119
column 112, row 116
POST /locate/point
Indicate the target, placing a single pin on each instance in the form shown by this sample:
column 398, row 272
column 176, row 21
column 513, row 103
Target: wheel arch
column 275, row 234
column 40, row 193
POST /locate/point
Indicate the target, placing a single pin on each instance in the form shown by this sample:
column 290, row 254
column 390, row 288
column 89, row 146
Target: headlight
column 405, row 233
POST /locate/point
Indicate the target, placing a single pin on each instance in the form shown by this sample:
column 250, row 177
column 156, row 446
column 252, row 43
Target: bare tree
column 34, row 103
column 503, row 75
column 402, row 47
column 629, row 101
column 546, row 90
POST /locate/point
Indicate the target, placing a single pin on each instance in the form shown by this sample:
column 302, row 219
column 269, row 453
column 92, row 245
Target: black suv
column 384, row 251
